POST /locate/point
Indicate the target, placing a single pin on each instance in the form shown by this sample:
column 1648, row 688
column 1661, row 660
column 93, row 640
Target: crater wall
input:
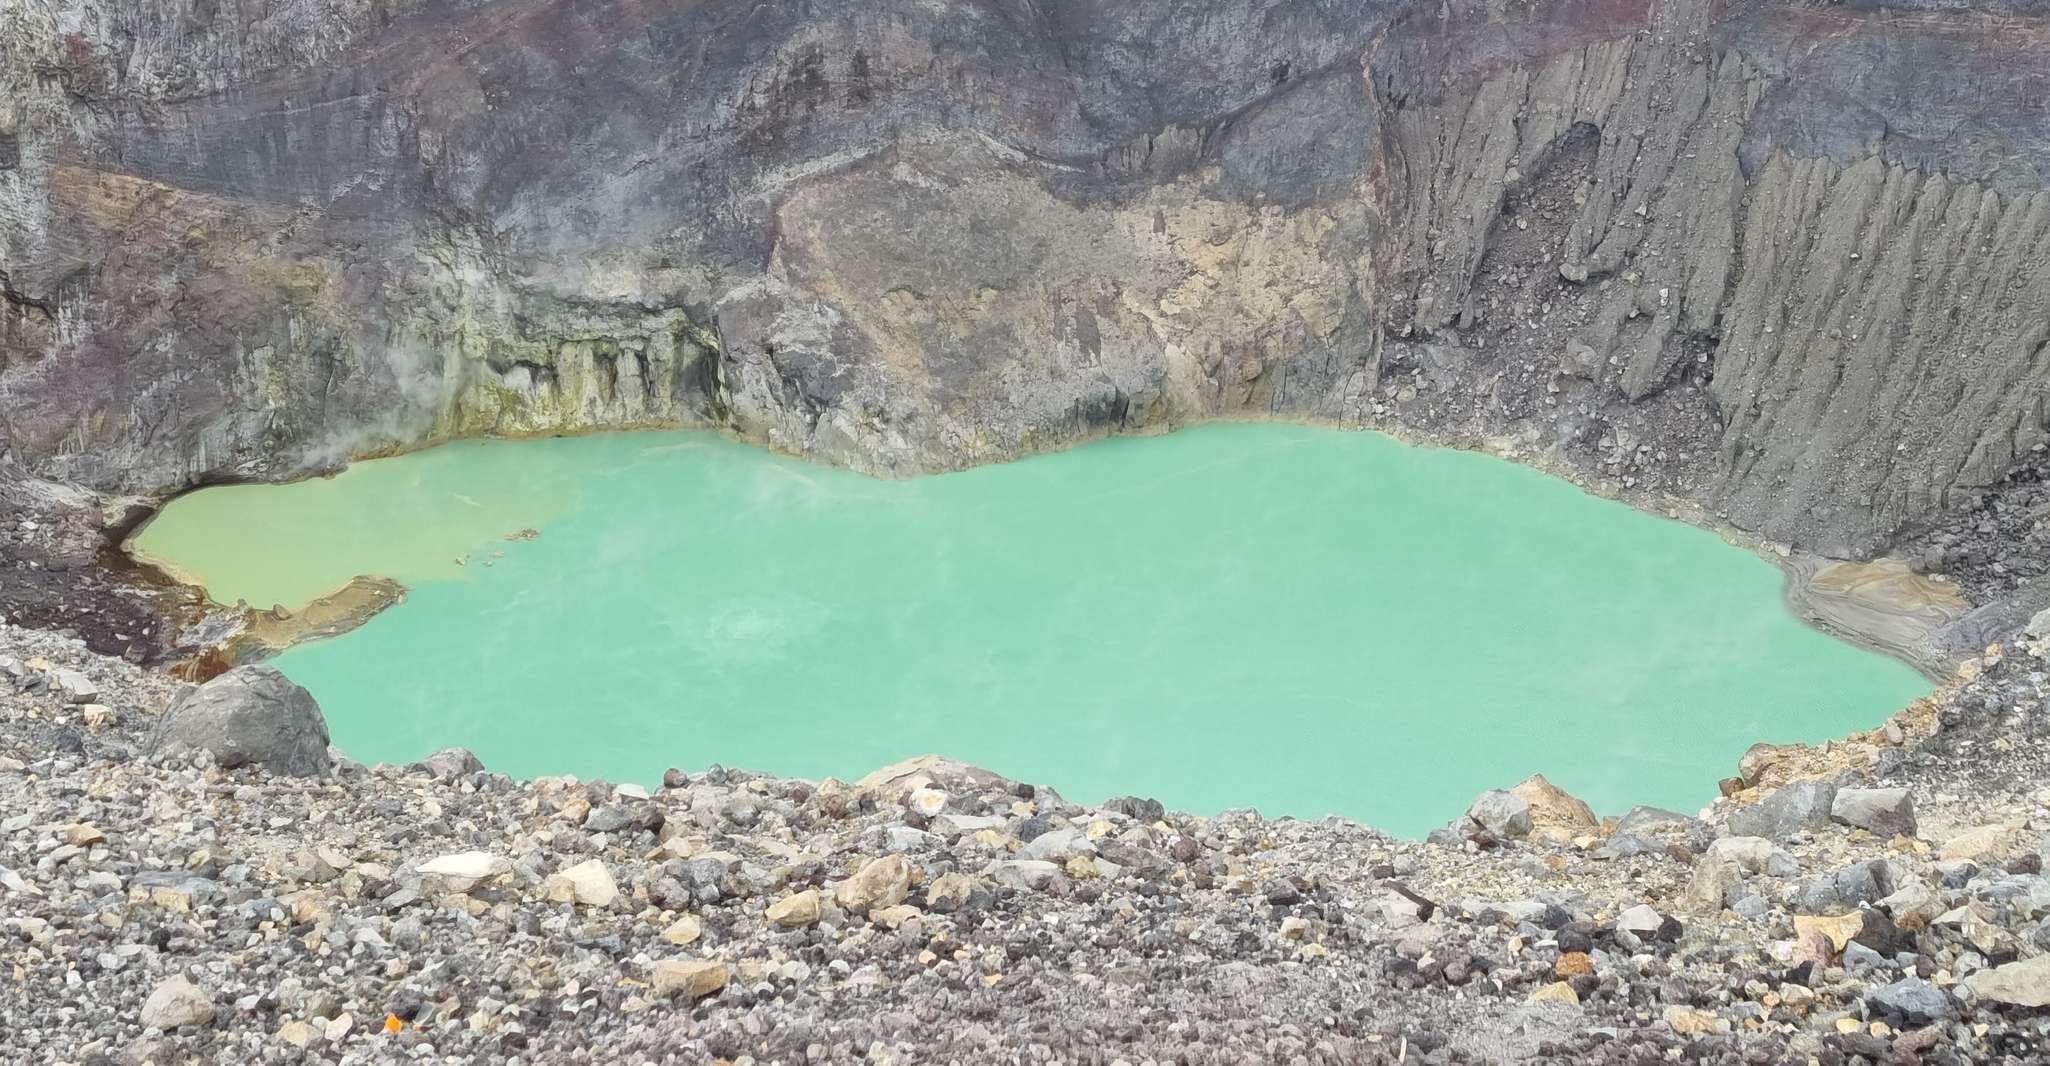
column 1783, row 258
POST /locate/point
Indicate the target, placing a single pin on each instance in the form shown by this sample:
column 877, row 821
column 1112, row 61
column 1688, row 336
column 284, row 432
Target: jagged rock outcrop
column 1784, row 258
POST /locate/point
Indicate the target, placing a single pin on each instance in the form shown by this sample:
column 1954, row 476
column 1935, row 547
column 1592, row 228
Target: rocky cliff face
column 1784, row 258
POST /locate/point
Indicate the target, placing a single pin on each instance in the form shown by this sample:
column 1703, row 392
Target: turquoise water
column 1296, row 619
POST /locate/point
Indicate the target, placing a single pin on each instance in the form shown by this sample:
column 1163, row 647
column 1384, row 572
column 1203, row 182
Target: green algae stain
column 1266, row 615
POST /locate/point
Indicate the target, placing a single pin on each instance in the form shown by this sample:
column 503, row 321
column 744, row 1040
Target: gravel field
column 165, row 902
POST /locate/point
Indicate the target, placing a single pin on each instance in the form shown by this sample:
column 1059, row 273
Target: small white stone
column 927, row 801
column 588, row 883
column 464, row 869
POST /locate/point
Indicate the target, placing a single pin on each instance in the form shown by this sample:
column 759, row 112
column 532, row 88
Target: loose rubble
column 1888, row 904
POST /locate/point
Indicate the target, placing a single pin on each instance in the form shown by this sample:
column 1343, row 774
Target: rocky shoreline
column 1883, row 903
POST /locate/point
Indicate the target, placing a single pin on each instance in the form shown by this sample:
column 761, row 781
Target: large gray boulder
column 1503, row 813
column 1655, row 830
column 1858, row 883
column 1800, row 807
column 251, row 715
column 451, row 763
column 1885, row 812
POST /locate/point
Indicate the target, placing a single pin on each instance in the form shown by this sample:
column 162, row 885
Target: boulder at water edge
column 1802, row 806
column 1504, row 814
column 251, row 715
column 1553, row 808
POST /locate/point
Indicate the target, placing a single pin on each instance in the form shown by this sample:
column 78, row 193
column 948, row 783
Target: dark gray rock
column 1818, row 895
column 1880, row 934
column 66, row 741
column 1956, row 873
column 710, row 879
column 1799, row 807
column 1858, row 883
column 1866, row 882
column 450, row 763
column 1912, row 1000
column 1654, row 831
column 1885, row 812
column 610, row 818
column 251, row 715
column 1501, row 813
column 1145, row 810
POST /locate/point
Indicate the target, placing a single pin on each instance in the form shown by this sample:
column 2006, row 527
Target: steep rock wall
column 1782, row 258
column 1812, row 237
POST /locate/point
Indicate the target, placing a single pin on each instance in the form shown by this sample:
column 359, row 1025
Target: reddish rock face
column 1780, row 258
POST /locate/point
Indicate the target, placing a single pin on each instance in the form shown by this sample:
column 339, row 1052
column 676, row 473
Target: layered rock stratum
column 1782, row 258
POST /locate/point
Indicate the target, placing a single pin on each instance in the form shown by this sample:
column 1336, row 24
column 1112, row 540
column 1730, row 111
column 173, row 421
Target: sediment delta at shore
column 161, row 908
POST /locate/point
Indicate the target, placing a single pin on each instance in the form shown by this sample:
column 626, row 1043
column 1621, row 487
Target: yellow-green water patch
column 425, row 517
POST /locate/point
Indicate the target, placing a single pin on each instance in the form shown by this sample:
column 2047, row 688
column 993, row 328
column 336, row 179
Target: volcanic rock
column 249, row 715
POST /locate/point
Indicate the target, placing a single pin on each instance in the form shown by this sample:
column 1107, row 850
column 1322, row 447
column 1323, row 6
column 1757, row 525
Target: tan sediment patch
column 1882, row 605
column 243, row 634
column 1890, row 584
column 270, row 633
